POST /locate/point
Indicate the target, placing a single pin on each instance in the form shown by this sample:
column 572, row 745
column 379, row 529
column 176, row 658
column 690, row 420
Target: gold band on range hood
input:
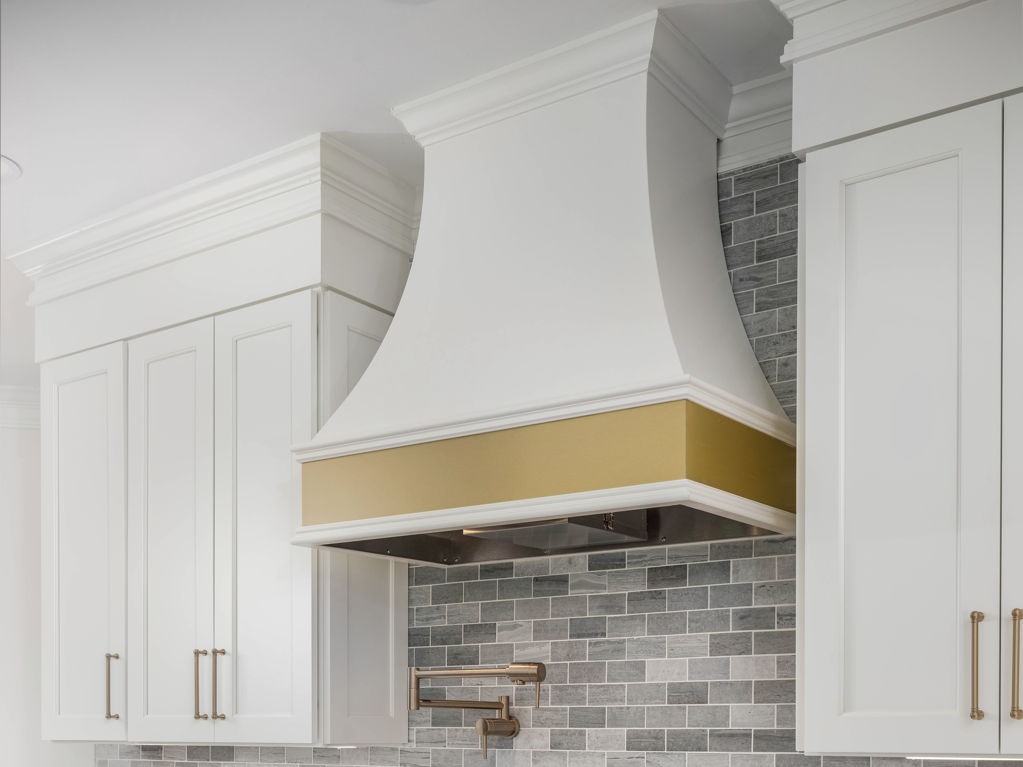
column 635, row 446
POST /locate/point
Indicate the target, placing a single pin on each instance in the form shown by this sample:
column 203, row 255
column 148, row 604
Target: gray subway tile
column 587, row 628
column 731, row 691
column 737, row 643
column 730, row 740
column 568, row 607
column 788, row 171
column 457, row 573
column 690, row 598
column 496, row 570
column 756, row 227
column 707, row 621
column 497, row 611
column 780, row 196
column 773, row 296
column 731, row 595
column 587, row 716
column 644, row 740
column 425, row 575
column 667, row 623
column 741, row 254
column 686, row 740
column 774, row 691
column 761, row 178
column 572, row 649
column 776, row 593
column 626, row 625
column 653, row 600
column 687, row 693
column 734, row 208
column 607, row 604
column 480, row 591
column 626, row 716
column 774, row 642
column 755, row 276
column 446, row 593
column 774, row 740
column 546, row 630
column 515, row 588
column 550, row 585
column 774, row 546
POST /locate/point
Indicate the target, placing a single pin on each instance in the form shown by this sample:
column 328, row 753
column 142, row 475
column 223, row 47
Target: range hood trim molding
column 647, row 43
column 690, row 389
column 685, row 492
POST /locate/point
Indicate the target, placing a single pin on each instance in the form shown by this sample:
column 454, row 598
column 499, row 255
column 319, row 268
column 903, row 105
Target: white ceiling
column 107, row 101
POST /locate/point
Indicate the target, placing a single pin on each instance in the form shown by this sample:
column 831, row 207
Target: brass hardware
column 507, row 727
column 505, row 724
column 195, row 655
column 110, row 656
column 1015, row 712
column 216, row 652
column 975, row 711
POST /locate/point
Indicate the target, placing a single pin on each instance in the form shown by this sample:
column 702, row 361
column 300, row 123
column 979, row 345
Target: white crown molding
column 759, row 122
column 314, row 175
column 19, row 407
column 647, row 43
column 688, row 389
column 682, row 491
column 836, row 23
column 687, row 74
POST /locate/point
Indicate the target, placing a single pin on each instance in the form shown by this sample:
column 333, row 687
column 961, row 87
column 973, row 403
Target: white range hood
column 567, row 343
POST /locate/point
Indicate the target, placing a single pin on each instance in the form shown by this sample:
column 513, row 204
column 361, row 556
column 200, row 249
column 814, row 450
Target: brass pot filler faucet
column 504, row 724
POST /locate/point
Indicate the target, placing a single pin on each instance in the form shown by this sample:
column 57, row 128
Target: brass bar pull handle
column 216, row 652
column 110, row 656
column 976, row 712
column 1015, row 712
column 195, row 655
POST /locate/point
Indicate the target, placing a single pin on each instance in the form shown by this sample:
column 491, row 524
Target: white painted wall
column 19, row 608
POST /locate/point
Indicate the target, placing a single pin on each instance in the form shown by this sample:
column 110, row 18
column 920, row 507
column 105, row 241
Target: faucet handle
column 496, row 726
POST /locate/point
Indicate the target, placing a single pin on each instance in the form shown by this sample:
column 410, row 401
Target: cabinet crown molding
column 759, row 124
column 647, row 43
column 315, row 175
column 823, row 25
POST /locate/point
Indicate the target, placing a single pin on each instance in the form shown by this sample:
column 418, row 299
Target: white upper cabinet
column 222, row 608
column 903, row 516
column 170, row 523
column 264, row 403
column 83, row 546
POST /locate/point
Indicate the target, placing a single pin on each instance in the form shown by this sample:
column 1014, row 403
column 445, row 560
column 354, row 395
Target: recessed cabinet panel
column 264, row 585
column 83, row 545
column 902, row 431
column 900, row 379
column 170, row 471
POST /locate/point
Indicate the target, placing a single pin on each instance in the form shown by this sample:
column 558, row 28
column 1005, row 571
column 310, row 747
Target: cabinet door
column 83, row 545
column 902, row 412
column 265, row 395
column 170, row 522
column 363, row 600
column 1012, row 404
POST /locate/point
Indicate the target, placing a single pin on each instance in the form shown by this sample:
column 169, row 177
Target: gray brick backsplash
column 757, row 208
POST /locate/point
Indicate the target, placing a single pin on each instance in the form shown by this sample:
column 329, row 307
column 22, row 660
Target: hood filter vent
column 578, row 535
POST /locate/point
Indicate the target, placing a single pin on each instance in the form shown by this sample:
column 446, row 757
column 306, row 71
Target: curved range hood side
column 567, row 343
